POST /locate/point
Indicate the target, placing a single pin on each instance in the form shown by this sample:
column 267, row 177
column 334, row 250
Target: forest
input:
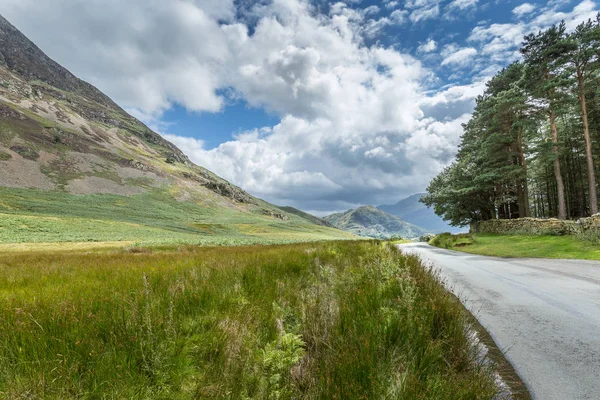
column 532, row 145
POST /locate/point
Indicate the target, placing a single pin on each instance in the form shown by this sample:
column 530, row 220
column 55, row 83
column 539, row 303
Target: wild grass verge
column 332, row 320
column 520, row 246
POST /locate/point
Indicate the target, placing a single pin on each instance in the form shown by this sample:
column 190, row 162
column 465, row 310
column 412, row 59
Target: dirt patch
column 87, row 162
column 133, row 174
column 94, row 184
column 22, row 173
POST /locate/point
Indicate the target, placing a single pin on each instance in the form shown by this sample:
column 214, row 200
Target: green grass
column 520, row 246
column 151, row 218
column 329, row 320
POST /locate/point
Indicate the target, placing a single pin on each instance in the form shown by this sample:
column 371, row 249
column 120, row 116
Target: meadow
column 326, row 320
column 520, row 246
column 151, row 218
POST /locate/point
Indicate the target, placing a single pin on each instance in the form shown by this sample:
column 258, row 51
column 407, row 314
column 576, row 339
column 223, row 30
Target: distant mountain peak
column 22, row 56
column 412, row 210
column 369, row 221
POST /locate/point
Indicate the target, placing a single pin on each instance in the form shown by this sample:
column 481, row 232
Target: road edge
column 505, row 370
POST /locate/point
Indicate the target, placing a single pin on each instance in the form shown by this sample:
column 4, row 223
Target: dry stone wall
column 586, row 227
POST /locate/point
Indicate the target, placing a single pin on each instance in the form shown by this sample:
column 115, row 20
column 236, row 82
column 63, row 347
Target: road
column 545, row 314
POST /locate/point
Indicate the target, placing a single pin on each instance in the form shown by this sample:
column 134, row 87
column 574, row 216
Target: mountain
column 415, row 212
column 74, row 166
column 369, row 221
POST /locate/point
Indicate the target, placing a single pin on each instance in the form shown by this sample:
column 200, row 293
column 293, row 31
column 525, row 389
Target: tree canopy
column 532, row 145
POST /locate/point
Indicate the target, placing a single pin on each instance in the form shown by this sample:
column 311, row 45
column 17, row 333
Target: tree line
column 532, row 145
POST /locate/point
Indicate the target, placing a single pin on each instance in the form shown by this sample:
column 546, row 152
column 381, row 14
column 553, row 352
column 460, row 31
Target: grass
column 328, row 320
column 520, row 246
column 151, row 218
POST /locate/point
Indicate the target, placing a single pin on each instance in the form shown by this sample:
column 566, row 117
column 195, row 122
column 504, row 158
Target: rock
column 275, row 214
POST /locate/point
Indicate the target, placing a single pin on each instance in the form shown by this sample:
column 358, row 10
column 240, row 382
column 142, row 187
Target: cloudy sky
column 316, row 104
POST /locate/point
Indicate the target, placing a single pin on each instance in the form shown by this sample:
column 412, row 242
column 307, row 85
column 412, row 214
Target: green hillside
column 305, row 215
column 368, row 221
column 154, row 217
column 75, row 167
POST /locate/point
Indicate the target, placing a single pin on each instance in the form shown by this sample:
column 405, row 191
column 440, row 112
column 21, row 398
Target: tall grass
column 335, row 320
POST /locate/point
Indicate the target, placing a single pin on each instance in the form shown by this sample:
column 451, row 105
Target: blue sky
column 453, row 26
column 237, row 116
column 214, row 128
column 322, row 105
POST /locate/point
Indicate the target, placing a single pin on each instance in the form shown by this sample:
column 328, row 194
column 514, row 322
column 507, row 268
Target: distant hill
column 306, row 216
column 415, row 212
column 369, row 221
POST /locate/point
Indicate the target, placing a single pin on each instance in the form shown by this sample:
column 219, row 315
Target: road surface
column 545, row 314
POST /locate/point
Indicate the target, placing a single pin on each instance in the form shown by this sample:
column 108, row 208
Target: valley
column 157, row 236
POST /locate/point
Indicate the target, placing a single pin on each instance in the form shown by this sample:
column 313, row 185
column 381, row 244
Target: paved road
column 544, row 313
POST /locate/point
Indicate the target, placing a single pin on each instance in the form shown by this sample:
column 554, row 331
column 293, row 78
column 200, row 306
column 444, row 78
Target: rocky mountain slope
column 415, row 212
column 368, row 221
column 61, row 139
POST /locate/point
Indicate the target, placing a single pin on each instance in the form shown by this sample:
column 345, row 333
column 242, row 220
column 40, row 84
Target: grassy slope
column 154, row 217
column 522, row 246
column 331, row 320
column 307, row 216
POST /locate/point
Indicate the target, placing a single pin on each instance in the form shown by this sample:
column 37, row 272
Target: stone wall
column 588, row 227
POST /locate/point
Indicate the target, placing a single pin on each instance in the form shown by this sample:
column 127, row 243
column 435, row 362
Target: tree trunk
column 560, row 186
column 588, row 145
column 524, row 208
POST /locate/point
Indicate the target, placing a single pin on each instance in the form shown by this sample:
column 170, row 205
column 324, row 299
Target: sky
column 321, row 105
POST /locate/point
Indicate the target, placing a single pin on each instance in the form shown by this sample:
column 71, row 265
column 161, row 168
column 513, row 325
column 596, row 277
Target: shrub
column 426, row 237
column 448, row 241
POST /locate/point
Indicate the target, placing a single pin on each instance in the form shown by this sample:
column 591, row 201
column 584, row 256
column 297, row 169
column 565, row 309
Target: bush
column 426, row 237
column 447, row 240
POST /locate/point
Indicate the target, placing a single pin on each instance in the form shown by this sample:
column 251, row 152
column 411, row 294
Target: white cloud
column 427, row 47
column 462, row 4
column 421, row 10
column 500, row 43
column 398, row 16
column 348, row 111
column 356, row 123
column 581, row 12
column 523, row 9
column 364, row 21
column 425, row 13
column 371, row 10
column 459, row 57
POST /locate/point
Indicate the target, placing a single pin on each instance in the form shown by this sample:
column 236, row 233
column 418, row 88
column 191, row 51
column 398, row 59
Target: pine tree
column 512, row 162
column 541, row 52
